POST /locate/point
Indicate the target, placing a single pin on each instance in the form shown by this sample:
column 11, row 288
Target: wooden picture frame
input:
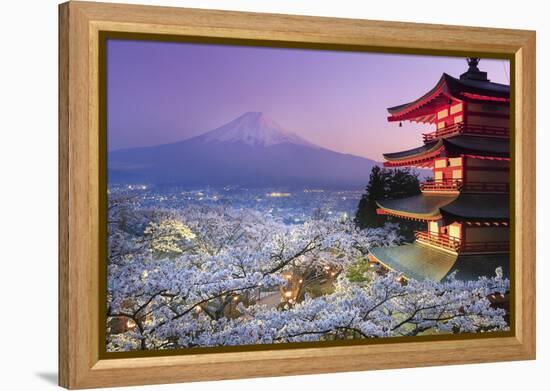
column 81, row 166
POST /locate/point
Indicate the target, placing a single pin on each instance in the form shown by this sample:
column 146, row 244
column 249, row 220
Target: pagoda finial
column 472, row 64
column 473, row 72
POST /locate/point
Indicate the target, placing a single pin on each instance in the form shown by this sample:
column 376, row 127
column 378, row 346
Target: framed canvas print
column 247, row 195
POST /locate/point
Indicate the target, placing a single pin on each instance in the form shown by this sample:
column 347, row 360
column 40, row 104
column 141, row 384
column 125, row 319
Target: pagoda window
column 433, row 227
column 442, row 114
column 458, row 119
column 440, row 163
column 448, row 175
column 456, row 108
column 457, row 174
column 455, row 161
column 455, row 230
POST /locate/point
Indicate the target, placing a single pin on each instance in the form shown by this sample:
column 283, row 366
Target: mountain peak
column 253, row 114
column 256, row 129
column 252, row 150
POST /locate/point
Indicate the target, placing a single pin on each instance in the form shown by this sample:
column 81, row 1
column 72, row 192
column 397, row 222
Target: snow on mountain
column 256, row 129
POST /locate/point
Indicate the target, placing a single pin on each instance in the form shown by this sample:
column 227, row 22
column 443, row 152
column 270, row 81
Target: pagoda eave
column 483, row 98
column 407, row 216
column 478, row 207
column 421, row 207
column 449, row 90
column 428, row 263
column 486, row 223
column 464, row 144
column 477, row 147
column 425, row 105
column 426, row 162
column 481, row 157
column 419, row 157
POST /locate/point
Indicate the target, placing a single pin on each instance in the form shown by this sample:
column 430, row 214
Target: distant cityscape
column 289, row 205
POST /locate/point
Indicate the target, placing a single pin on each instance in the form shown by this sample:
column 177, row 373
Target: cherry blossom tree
column 192, row 277
column 386, row 307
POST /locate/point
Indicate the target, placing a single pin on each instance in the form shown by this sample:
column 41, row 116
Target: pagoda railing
column 462, row 128
column 455, row 244
column 486, row 187
column 444, row 185
column 441, row 185
column 439, row 240
column 450, row 185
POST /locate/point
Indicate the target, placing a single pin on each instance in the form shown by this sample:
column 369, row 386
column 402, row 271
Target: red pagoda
column 466, row 205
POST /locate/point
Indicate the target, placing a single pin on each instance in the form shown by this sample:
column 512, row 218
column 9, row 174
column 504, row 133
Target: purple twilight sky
column 164, row 92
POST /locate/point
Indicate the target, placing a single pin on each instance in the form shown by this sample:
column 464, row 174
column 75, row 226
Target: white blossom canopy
column 191, row 278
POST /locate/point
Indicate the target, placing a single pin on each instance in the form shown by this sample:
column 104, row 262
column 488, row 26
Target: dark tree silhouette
column 387, row 184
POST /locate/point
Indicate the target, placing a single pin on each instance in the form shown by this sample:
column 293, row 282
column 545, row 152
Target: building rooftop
column 453, row 146
column 421, row 207
column 478, row 206
column 422, row 262
column 477, row 145
column 427, row 148
column 424, row 108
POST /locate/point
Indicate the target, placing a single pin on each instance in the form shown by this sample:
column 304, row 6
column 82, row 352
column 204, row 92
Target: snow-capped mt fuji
column 255, row 129
column 251, row 150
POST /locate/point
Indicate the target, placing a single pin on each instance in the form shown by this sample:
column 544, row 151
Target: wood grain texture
column 80, row 22
column 63, row 220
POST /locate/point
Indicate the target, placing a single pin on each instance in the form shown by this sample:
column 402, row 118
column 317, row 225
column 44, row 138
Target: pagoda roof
column 424, row 109
column 477, row 145
column 420, row 207
column 453, row 146
column 478, row 206
column 427, row 148
column 422, row 262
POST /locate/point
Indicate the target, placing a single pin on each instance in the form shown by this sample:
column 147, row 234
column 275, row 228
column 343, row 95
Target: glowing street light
column 400, row 279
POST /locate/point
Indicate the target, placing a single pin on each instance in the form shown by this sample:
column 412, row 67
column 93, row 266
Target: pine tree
column 366, row 215
column 387, row 184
